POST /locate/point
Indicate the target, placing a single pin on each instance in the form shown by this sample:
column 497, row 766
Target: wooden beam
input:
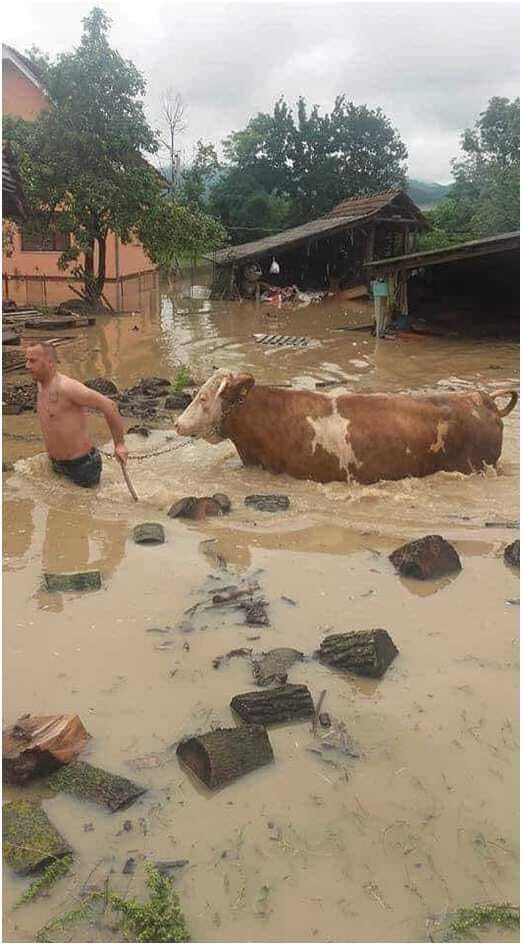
column 432, row 258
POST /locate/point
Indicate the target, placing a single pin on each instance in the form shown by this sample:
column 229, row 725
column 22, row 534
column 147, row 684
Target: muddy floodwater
column 421, row 816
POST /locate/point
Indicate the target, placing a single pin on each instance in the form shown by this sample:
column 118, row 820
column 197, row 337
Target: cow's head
column 218, row 396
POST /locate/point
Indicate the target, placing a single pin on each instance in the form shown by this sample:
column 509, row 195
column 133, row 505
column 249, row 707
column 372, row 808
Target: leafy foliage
column 83, row 153
column 485, row 197
column 463, row 923
column 171, row 232
column 85, row 909
column 160, row 919
column 296, row 167
column 51, row 874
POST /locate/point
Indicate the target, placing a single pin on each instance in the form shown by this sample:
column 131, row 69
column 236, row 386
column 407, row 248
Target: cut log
column 30, row 840
column 178, row 401
column 103, row 385
column 268, row 503
column 36, row 745
column 283, row 704
column 512, row 554
column 150, row 533
column 219, row 757
column 73, row 581
column 429, row 557
column 88, row 783
column 194, row 508
column 365, row 652
column 273, row 667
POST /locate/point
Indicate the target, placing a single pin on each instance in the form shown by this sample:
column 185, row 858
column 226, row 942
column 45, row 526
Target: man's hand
column 121, row 452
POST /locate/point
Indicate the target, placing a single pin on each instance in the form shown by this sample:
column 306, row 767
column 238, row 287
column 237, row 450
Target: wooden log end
column 221, row 756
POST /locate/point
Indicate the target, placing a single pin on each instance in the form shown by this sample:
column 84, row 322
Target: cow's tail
column 512, row 394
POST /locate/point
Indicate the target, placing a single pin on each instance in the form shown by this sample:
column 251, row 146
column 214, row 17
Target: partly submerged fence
column 135, row 292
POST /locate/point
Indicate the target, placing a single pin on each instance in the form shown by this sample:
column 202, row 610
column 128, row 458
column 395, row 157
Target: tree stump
column 30, row 840
column 150, row 533
column 73, row 581
column 283, row 704
column 512, row 554
column 365, row 652
column 88, row 783
column 36, row 745
column 219, row 757
column 429, row 557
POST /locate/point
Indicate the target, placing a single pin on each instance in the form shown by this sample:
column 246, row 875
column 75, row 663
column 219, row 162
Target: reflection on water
column 309, row 847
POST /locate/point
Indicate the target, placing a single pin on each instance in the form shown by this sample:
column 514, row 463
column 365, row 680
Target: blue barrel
column 380, row 288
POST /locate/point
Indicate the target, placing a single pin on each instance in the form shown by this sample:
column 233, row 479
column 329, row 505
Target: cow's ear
column 235, row 386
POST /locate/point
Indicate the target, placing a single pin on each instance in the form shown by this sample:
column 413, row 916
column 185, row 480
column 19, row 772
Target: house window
column 38, row 237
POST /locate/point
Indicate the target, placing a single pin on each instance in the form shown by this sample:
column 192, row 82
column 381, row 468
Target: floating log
column 425, row 558
column 365, row 652
column 88, row 783
column 73, row 581
column 150, row 533
column 268, row 503
column 219, row 757
column 272, row 667
column 30, row 840
column 283, row 704
column 36, row 745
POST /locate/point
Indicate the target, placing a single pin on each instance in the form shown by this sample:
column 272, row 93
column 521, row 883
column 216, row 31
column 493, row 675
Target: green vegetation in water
column 81, row 912
column 182, row 379
column 30, row 840
column 51, row 874
column 465, row 920
column 160, row 919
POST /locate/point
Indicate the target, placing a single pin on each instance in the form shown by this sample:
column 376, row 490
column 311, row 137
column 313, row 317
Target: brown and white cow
column 349, row 437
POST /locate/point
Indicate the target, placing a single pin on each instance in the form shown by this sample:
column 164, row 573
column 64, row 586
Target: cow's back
column 365, row 437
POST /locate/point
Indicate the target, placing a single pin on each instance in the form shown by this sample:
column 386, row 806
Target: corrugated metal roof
column 353, row 210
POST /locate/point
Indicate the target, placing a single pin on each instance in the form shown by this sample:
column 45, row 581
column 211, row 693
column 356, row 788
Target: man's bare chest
column 52, row 405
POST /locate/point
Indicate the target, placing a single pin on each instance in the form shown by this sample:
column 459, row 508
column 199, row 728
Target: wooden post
column 370, row 245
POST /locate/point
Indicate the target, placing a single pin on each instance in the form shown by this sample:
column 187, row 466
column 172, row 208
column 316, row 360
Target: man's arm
column 85, row 397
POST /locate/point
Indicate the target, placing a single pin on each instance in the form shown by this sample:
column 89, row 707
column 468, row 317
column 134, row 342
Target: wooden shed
column 330, row 252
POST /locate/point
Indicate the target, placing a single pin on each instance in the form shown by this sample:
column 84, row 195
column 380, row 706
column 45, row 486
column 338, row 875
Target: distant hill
column 425, row 193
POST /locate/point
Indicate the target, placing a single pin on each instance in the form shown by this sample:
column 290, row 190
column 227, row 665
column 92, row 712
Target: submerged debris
column 365, row 652
column 219, row 757
column 88, row 783
column 73, row 581
column 429, row 557
column 283, row 704
column 200, row 508
column 30, row 840
column 36, row 745
column 268, row 503
column 272, row 667
column 512, row 554
column 149, row 533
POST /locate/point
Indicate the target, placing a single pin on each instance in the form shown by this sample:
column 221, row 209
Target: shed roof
column 501, row 243
column 344, row 216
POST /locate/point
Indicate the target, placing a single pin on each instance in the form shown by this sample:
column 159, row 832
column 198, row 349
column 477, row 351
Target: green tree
column 83, row 154
column 313, row 161
column 485, row 197
column 172, row 233
column 197, row 177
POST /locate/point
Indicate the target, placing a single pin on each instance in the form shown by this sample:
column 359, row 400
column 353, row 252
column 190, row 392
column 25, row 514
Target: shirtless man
column 61, row 406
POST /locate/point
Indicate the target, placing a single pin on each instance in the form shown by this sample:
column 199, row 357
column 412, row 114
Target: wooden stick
column 128, row 483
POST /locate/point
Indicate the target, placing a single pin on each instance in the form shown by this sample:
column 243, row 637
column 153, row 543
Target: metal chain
column 140, row 456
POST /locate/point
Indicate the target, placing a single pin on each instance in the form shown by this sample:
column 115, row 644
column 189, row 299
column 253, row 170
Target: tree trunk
column 283, row 704
column 102, row 259
column 225, row 754
column 88, row 273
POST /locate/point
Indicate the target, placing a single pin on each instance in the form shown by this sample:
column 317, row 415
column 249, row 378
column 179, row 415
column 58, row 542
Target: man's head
column 218, row 396
column 40, row 360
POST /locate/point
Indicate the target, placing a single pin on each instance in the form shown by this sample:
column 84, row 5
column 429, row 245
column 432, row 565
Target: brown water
column 313, row 848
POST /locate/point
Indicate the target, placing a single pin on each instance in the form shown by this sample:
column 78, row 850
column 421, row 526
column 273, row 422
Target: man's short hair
column 48, row 349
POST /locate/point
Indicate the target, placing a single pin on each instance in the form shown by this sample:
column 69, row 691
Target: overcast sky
column 432, row 67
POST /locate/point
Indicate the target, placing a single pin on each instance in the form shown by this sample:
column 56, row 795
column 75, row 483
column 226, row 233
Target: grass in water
column 464, row 921
column 51, row 874
column 160, row 919
column 85, row 910
column 182, row 378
